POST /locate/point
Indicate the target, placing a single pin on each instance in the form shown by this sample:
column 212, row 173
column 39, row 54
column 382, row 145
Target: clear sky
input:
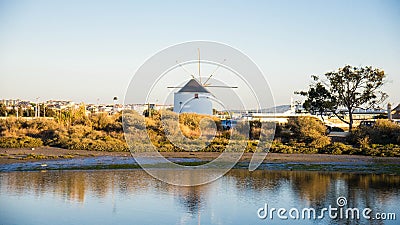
column 89, row 50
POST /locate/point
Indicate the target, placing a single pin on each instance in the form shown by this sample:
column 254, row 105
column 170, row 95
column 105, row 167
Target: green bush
column 106, row 144
column 278, row 147
column 20, row 142
column 100, row 121
column 101, row 132
column 338, row 148
column 34, row 156
column 308, row 130
column 383, row 132
column 320, row 142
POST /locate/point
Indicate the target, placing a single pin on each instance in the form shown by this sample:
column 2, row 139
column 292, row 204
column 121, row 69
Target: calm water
column 133, row 197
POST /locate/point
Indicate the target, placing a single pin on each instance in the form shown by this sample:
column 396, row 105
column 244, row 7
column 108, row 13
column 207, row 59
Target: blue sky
column 84, row 51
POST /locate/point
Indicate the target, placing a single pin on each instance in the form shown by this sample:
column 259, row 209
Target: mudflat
column 18, row 155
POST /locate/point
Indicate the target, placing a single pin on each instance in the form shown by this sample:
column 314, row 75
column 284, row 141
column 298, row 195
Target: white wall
column 186, row 102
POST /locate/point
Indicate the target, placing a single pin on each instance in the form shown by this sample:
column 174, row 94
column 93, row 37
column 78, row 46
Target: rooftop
column 193, row 86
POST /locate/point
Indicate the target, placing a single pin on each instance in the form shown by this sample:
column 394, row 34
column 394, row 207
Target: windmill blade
column 185, row 70
column 212, row 74
column 218, row 86
column 198, row 50
column 174, row 87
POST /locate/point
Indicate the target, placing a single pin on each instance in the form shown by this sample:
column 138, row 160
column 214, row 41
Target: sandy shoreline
column 18, row 155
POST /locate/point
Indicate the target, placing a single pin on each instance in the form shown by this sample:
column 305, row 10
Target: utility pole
column 115, row 99
column 37, row 113
column 98, row 106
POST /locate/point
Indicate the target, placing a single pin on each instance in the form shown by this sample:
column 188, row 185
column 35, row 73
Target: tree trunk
column 350, row 120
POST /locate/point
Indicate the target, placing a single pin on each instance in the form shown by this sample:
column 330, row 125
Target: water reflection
column 232, row 199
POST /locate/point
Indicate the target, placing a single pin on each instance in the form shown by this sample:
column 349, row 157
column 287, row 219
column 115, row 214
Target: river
column 239, row 197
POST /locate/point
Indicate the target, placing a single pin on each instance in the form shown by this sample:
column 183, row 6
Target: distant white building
column 194, row 98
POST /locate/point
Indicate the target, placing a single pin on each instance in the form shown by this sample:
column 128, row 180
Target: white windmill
column 194, row 97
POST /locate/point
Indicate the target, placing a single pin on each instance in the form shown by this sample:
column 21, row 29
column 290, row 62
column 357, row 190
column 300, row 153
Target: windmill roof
column 397, row 108
column 193, row 86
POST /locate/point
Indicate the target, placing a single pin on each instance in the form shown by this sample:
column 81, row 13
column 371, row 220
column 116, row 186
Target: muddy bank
column 10, row 155
column 48, row 158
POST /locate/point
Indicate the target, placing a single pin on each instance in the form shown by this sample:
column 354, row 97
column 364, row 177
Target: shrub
column 308, row 130
column 104, row 144
column 278, row 147
column 20, row 142
column 132, row 118
column 34, row 156
column 79, row 131
column 337, row 148
column 364, row 142
column 383, row 132
column 100, row 121
column 320, row 142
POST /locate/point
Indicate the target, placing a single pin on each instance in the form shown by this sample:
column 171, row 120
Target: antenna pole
column 198, row 50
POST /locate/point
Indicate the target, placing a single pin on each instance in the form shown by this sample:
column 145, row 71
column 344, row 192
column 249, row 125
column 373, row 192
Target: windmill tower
column 194, row 97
